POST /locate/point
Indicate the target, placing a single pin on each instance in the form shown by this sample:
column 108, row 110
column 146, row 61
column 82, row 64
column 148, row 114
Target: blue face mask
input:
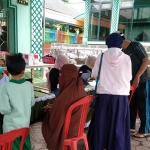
column 1, row 70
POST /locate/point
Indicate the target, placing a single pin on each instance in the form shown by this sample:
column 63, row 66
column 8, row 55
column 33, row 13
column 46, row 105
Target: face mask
column 1, row 70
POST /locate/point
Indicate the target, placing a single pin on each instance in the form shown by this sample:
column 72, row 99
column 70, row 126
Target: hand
column 136, row 82
column 48, row 107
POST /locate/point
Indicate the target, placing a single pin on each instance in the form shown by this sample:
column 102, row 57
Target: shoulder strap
column 97, row 80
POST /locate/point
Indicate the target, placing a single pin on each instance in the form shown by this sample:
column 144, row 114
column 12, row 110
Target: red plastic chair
column 84, row 102
column 6, row 139
column 132, row 88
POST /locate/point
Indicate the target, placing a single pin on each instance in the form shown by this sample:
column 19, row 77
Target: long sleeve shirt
column 115, row 75
column 16, row 100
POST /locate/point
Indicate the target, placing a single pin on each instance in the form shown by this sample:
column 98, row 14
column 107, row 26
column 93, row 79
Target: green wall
column 23, row 27
column 19, row 28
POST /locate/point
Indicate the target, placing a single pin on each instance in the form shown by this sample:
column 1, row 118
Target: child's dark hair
column 15, row 64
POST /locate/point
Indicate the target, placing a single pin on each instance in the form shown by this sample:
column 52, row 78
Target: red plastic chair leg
column 74, row 145
column 65, row 147
column 85, row 142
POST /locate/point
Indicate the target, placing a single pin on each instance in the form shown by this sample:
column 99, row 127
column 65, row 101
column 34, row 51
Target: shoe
column 140, row 135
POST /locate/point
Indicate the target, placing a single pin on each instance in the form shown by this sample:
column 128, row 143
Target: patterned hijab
column 90, row 61
column 60, row 61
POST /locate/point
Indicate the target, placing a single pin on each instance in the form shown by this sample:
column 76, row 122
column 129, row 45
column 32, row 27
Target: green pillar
column 115, row 15
column 36, row 26
column 86, row 21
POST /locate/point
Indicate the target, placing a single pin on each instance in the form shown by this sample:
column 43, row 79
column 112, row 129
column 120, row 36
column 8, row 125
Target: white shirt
column 4, row 79
column 116, row 73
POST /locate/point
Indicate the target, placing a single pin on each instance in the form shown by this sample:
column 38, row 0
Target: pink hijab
column 60, row 61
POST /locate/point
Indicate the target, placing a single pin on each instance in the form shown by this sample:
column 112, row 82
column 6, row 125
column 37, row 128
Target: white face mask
column 1, row 70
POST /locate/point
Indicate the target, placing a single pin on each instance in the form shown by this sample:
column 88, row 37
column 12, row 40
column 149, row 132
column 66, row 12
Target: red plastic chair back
column 132, row 88
column 6, row 139
column 84, row 103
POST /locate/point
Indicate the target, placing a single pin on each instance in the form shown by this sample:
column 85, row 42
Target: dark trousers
column 140, row 103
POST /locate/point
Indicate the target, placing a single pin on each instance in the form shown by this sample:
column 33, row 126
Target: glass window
column 104, row 24
column 94, row 19
column 95, row 7
column 141, row 24
column 100, row 17
column 125, row 22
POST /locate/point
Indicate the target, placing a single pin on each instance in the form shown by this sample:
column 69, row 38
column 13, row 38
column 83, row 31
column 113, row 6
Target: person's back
column 110, row 121
column 71, row 90
column 17, row 112
column 114, row 78
column 16, row 99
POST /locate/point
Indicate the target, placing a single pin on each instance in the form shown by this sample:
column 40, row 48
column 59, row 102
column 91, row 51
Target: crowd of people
column 124, row 64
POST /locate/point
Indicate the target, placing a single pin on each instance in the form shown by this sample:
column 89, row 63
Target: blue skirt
column 110, row 124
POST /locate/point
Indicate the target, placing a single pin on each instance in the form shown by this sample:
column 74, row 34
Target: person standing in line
column 16, row 99
column 140, row 79
column 110, row 124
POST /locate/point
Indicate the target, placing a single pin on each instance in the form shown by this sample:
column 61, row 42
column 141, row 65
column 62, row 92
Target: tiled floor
column 136, row 143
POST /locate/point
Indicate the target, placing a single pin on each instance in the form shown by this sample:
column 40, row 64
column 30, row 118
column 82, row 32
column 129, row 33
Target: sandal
column 140, row 135
column 132, row 130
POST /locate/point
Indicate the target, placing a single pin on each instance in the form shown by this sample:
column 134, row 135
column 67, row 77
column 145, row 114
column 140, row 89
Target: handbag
column 97, row 81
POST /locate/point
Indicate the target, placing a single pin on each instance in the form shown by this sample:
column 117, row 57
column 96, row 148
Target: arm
column 32, row 96
column 141, row 70
column 4, row 101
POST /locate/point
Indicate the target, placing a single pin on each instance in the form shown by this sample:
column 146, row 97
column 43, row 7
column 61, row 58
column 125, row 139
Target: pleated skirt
column 110, row 125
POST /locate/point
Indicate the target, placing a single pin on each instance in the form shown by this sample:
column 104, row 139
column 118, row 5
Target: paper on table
column 93, row 83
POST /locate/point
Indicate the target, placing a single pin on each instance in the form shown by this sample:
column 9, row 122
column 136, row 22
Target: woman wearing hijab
column 85, row 70
column 52, row 77
column 71, row 89
column 3, row 77
column 89, row 64
column 110, row 124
